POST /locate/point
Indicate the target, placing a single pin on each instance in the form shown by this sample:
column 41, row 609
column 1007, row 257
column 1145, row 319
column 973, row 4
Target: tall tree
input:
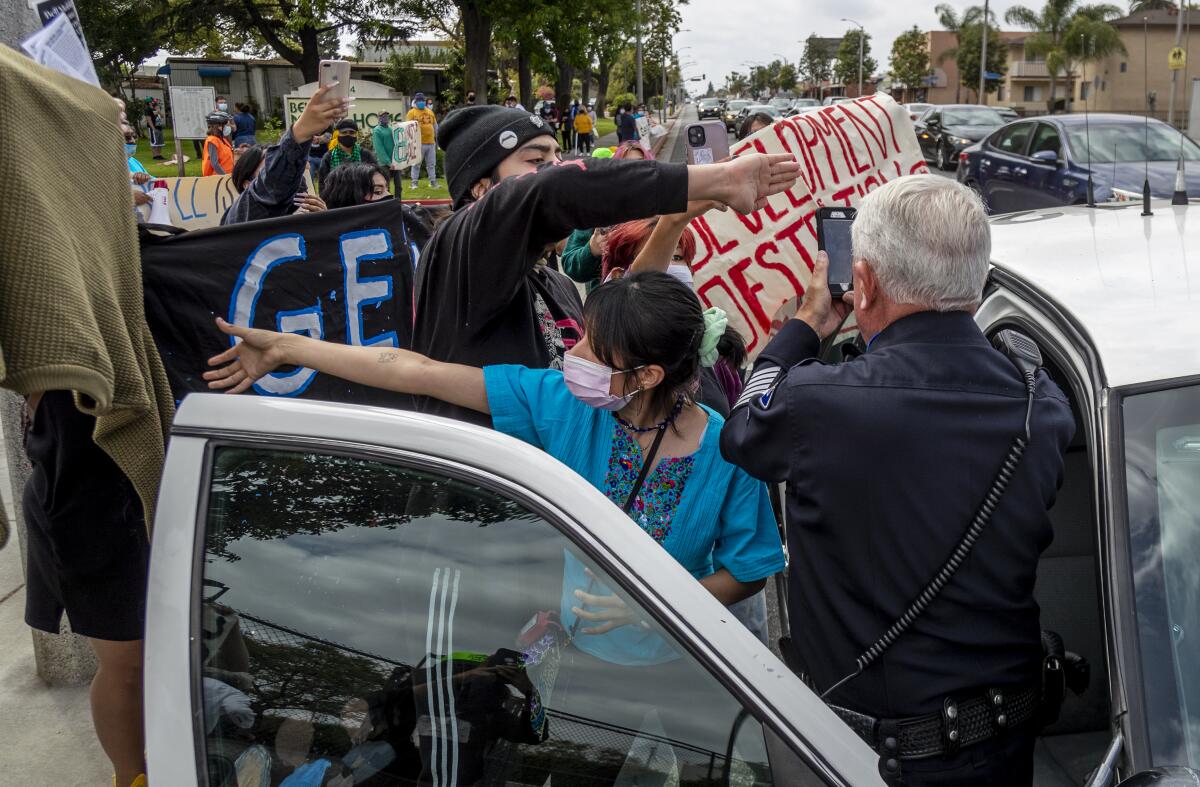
column 846, row 67
column 786, row 79
column 816, row 63
column 122, row 35
column 910, row 60
column 1050, row 37
column 1138, row 6
column 958, row 24
column 299, row 31
column 610, row 34
column 969, row 51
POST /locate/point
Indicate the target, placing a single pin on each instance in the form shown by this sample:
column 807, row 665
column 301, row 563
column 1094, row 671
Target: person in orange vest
column 218, row 152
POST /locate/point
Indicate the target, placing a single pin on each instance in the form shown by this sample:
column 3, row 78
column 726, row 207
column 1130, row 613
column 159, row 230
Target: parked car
column 1041, row 162
column 802, row 103
column 710, row 108
column 327, row 580
column 732, row 110
column 1008, row 113
column 949, row 128
column 831, row 100
column 915, row 110
column 782, row 104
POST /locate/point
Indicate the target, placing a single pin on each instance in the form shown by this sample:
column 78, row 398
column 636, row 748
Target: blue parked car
column 1043, row 162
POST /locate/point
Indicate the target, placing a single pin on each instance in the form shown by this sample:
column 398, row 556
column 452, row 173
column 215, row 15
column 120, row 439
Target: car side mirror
column 1166, row 776
column 1048, row 157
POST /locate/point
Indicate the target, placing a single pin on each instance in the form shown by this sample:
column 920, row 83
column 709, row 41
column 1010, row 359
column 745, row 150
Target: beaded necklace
column 660, row 426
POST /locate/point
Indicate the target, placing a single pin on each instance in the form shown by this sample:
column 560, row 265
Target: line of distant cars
column 1038, row 162
column 735, row 110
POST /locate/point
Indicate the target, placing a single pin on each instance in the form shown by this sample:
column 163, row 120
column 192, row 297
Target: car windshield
column 708, row 103
column 737, row 105
column 973, row 116
column 806, row 102
column 1124, row 142
column 1162, row 476
column 765, row 108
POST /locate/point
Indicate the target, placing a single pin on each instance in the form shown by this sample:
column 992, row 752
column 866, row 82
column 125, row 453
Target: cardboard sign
column 756, row 267
column 643, row 128
column 189, row 108
column 197, row 203
column 363, row 111
column 407, row 139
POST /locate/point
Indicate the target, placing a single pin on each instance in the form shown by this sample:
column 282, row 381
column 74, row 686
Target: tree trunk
column 524, row 75
column 310, row 54
column 603, row 67
column 477, row 34
column 586, row 83
column 562, row 84
column 1050, row 101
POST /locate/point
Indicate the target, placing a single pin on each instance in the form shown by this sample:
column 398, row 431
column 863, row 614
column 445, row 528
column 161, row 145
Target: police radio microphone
column 1024, row 354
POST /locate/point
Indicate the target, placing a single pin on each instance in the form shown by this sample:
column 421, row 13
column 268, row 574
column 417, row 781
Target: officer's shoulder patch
column 764, row 401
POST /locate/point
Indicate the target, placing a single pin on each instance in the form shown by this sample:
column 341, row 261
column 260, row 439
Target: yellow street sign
column 1177, row 59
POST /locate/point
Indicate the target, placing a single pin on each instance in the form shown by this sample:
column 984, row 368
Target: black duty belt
column 960, row 724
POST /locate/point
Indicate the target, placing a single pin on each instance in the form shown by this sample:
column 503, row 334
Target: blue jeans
column 429, row 156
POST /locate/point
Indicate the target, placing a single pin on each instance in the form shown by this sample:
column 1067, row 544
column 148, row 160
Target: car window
column 1015, row 138
column 1046, row 138
column 364, row 620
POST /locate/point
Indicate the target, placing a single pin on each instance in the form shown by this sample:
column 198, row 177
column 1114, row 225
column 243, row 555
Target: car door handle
column 985, row 163
column 1021, row 171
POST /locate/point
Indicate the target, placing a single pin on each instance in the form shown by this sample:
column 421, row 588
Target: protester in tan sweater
column 74, row 341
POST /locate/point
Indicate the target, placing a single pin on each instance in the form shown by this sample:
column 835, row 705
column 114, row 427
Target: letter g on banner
column 274, row 251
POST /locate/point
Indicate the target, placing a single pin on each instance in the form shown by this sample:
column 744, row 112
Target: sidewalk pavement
column 609, row 140
column 46, row 735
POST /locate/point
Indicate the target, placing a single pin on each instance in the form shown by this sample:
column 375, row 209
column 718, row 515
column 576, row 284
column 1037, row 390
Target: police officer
column 887, row 459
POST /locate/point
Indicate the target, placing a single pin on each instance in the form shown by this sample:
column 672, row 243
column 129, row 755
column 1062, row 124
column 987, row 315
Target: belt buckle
column 951, row 733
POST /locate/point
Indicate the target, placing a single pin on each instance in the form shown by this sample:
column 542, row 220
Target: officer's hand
column 818, row 309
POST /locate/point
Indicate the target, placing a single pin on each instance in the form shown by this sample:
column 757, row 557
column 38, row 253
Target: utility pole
column 983, row 56
column 638, row 22
column 1175, row 73
column 861, row 37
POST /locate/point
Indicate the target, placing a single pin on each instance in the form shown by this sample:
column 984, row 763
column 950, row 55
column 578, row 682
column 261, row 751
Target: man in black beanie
column 483, row 293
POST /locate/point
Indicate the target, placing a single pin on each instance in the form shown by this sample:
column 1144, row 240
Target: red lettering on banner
column 806, row 172
column 864, row 131
column 843, row 196
column 780, row 266
column 771, row 214
column 749, row 292
column 819, row 135
column 719, row 282
column 712, row 246
column 849, row 154
column 920, row 167
column 871, row 101
column 751, row 221
column 790, row 231
column 834, row 130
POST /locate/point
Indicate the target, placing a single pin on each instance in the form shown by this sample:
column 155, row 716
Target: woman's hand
column 257, row 354
column 140, row 198
column 308, row 203
column 613, row 614
column 598, row 243
column 141, row 178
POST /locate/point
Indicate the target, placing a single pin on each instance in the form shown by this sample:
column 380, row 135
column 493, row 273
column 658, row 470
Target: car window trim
column 708, row 654
column 1029, row 146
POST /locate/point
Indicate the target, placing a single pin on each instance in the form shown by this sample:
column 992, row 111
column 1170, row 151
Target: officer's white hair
column 928, row 240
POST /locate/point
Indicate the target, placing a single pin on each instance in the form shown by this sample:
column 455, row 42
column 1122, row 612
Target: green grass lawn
column 605, row 126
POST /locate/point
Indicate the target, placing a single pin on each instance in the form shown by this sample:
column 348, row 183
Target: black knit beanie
column 477, row 138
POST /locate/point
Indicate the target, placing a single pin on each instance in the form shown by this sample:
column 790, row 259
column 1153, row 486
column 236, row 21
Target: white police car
column 348, row 595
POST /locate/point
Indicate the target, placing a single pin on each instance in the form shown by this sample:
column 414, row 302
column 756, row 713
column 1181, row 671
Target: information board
column 189, row 108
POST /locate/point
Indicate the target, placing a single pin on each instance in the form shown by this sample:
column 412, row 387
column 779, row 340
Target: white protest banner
column 756, row 267
column 643, row 128
column 363, row 111
column 189, row 108
column 407, row 139
column 197, row 203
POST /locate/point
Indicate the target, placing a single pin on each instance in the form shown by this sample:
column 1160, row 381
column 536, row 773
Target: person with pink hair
column 633, row 150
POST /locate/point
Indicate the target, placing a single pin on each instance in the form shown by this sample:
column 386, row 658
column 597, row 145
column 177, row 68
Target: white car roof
column 1131, row 284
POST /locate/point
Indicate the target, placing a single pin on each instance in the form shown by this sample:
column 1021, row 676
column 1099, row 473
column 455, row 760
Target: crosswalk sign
column 1177, row 59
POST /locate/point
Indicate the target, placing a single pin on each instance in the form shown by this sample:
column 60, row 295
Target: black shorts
column 88, row 552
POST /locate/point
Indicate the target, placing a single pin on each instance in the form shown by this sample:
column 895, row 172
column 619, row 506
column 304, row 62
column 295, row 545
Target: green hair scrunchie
column 715, row 322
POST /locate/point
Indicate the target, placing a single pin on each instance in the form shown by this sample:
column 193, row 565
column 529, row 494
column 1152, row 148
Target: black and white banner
column 342, row 275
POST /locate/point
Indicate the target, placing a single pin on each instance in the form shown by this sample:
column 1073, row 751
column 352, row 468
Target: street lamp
column 861, row 35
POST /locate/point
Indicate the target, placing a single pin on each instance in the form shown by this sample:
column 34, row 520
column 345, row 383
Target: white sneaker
column 433, row 184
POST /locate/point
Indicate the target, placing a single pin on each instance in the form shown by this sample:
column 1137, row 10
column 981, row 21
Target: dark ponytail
column 644, row 319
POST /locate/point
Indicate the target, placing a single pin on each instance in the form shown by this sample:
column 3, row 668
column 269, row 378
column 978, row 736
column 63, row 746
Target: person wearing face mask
column 218, row 150
column 346, row 150
column 484, row 294
column 620, row 413
column 139, row 178
column 385, row 144
column 354, row 184
column 424, row 116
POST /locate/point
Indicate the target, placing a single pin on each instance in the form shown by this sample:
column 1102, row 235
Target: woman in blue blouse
column 626, row 392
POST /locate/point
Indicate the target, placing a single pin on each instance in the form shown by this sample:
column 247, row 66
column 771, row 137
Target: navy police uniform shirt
column 887, row 457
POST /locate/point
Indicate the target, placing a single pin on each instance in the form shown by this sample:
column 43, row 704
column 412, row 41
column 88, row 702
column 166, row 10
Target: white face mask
column 227, row 131
column 590, row 383
column 222, row 106
column 681, row 271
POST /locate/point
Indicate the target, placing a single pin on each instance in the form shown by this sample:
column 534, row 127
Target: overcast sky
column 724, row 35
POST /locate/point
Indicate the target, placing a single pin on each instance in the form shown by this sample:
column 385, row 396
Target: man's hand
column 319, row 114
column 141, row 178
column 818, row 309
column 257, row 354
column 140, row 197
column 749, row 180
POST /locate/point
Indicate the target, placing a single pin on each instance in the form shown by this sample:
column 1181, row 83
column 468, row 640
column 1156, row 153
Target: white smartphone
column 338, row 71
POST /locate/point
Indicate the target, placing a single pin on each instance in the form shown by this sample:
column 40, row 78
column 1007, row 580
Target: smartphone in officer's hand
column 707, row 142
column 335, row 71
column 833, row 237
